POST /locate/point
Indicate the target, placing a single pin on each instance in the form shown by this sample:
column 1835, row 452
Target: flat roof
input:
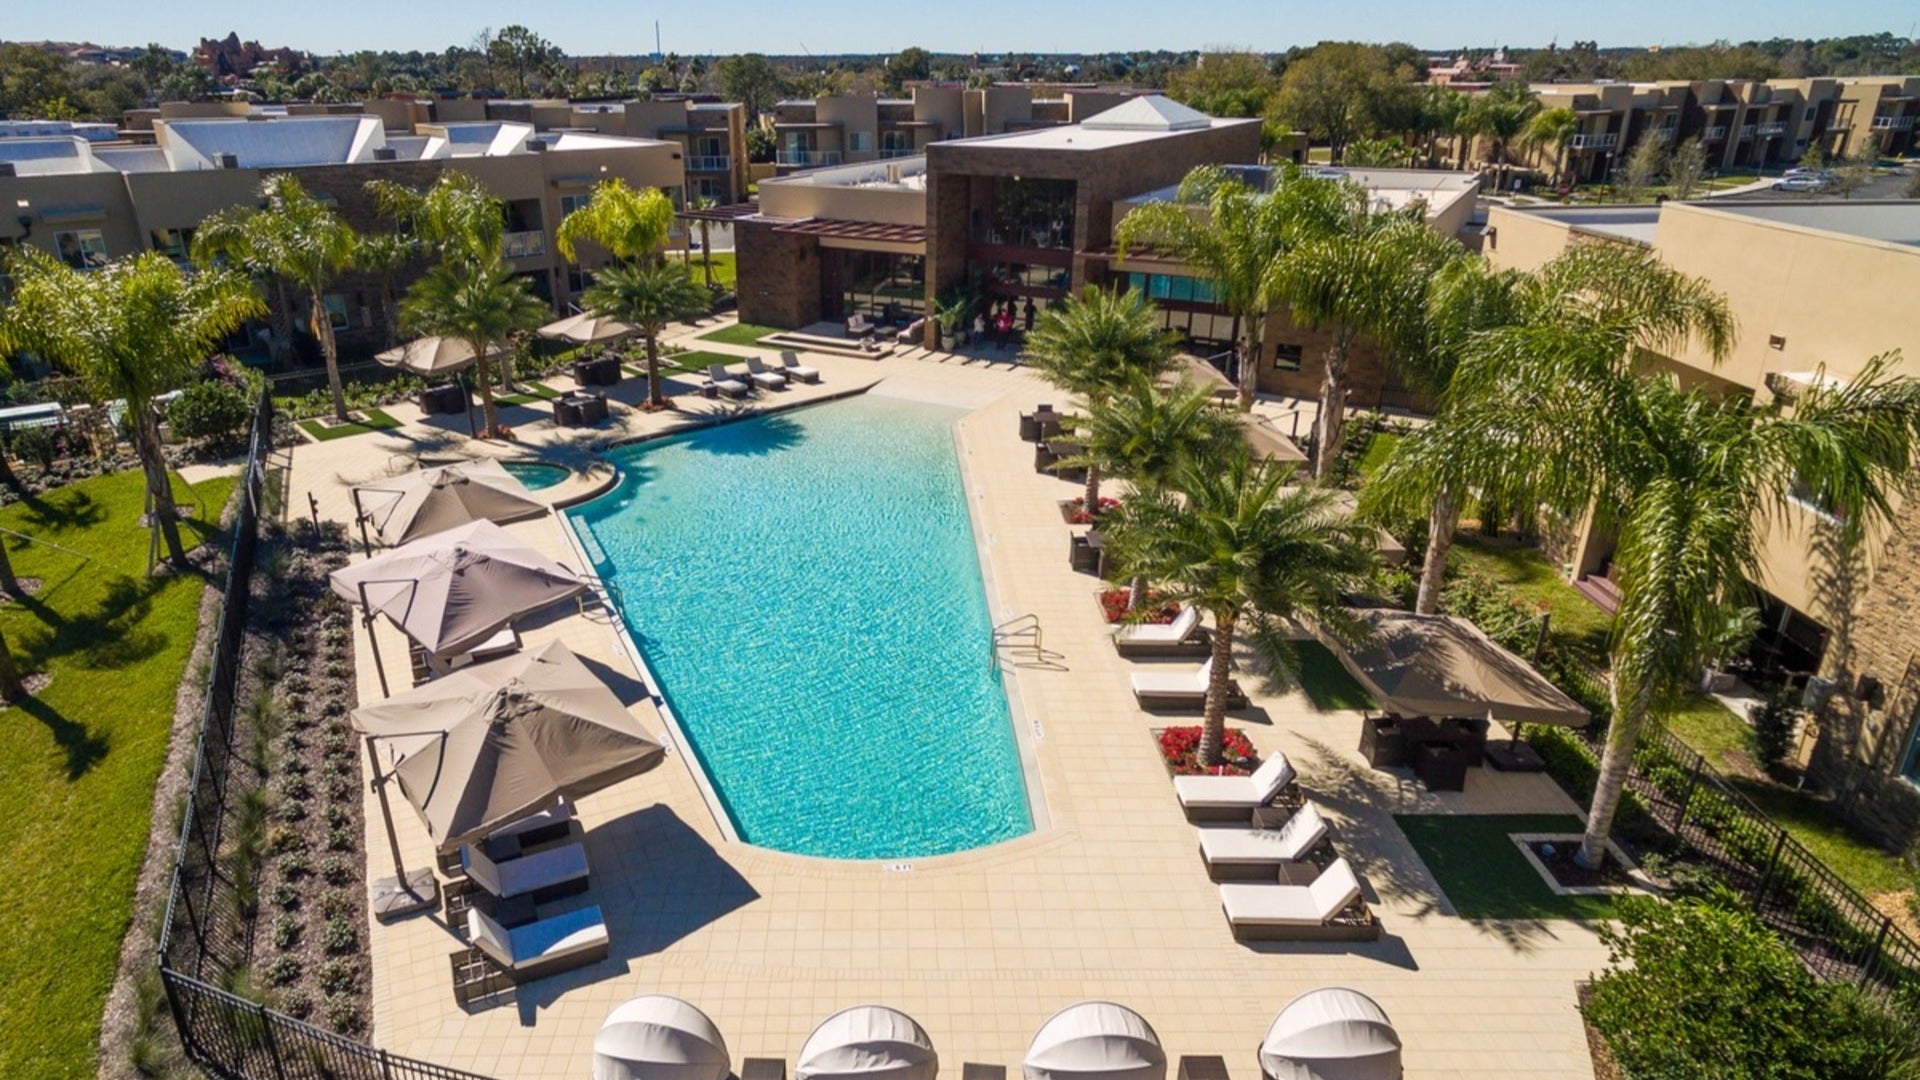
column 1891, row 222
column 1137, row 120
column 1636, row 223
column 1389, row 189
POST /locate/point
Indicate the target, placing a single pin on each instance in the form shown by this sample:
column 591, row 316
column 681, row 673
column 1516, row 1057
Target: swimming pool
column 536, row 474
column 805, row 588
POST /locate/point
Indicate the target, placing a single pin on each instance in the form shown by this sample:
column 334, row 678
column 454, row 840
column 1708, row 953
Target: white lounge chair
column 1181, row 637
column 1237, row 852
column 792, row 368
column 555, row 872
column 912, row 333
column 544, row 947
column 763, row 376
column 1182, row 689
column 1233, row 798
column 1301, row 912
column 859, row 326
column 720, row 381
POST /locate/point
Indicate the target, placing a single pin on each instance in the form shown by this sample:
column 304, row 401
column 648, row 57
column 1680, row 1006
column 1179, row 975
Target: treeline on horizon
column 41, row 82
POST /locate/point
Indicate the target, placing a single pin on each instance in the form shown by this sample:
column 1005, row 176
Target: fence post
column 386, row 1066
column 273, row 1045
column 1870, row 962
column 1686, row 799
column 1766, row 879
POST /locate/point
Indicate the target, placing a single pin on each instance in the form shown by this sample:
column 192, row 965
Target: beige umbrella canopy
column 429, row 356
column 1196, row 370
column 454, row 589
column 1266, row 441
column 492, row 743
column 586, row 329
column 1439, row 665
column 426, row 501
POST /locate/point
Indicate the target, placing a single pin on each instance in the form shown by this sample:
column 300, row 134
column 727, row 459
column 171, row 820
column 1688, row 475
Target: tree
column 1644, row 164
column 1856, row 169
column 30, row 75
column 1330, row 91
column 1555, row 129
column 1378, row 154
column 1231, row 538
column 1686, row 167
column 384, row 255
column 752, row 80
column 1366, row 280
column 1500, row 115
column 518, row 55
column 648, row 297
column 1091, row 345
column 1232, row 84
column 9, row 582
column 134, row 329
column 12, row 687
column 632, row 225
column 1442, row 111
column 761, row 145
column 912, row 64
column 479, row 303
column 297, row 238
column 456, row 218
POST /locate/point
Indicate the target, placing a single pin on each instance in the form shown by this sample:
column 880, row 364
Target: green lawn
column 376, row 421
column 1809, row 820
column 724, row 271
column 1379, row 449
column 1714, row 732
column 1483, row 872
column 739, row 334
column 82, row 756
column 1536, row 581
column 1325, row 682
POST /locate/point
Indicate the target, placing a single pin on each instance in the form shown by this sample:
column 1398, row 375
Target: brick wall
column 779, row 275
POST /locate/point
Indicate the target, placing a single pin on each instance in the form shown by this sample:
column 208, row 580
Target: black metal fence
column 207, row 934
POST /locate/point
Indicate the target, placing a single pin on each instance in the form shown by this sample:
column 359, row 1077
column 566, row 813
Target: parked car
column 1807, row 181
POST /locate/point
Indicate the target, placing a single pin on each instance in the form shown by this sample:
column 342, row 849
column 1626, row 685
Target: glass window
column 859, row 140
column 82, row 249
column 1287, row 357
column 173, row 243
column 1032, row 213
column 570, row 203
column 336, row 305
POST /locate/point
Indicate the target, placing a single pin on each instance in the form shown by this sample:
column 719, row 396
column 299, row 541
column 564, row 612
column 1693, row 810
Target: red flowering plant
column 1180, row 747
column 1113, row 604
column 1106, row 506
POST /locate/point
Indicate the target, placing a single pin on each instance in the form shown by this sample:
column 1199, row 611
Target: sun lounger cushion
column 791, row 365
column 543, row 941
column 556, row 815
column 1238, row 845
column 1269, row 780
column 531, row 873
column 724, row 381
column 1293, row 905
column 763, row 376
column 1180, row 629
column 1180, row 682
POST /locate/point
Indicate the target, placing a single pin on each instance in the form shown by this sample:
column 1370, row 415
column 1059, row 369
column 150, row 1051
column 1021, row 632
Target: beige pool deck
column 1108, row 901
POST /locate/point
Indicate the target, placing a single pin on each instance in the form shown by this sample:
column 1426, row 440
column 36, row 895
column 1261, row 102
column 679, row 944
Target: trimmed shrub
column 210, row 409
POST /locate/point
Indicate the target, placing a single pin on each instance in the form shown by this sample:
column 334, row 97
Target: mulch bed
column 1558, row 858
column 25, row 586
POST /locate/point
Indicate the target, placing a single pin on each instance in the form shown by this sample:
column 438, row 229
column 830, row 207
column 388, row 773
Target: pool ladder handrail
column 1020, row 636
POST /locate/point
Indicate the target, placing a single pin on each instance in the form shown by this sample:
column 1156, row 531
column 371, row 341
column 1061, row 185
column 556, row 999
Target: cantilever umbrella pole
column 373, row 641
column 403, row 893
column 360, row 516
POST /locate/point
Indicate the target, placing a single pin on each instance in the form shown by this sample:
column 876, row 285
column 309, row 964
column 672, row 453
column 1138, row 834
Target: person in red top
column 1003, row 325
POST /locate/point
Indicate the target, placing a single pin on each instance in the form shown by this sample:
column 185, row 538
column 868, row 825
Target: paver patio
column 1108, row 900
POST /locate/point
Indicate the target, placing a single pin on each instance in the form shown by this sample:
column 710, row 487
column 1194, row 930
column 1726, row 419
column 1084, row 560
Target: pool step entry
column 1019, row 642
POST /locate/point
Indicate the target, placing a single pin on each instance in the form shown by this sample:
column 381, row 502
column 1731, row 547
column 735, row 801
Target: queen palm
column 648, row 298
column 1553, row 128
column 1091, row 345
column 631, row 224
column 1500, row 115
column 384, row 255
column 457, row 216
column 1232, row 538
column 480, row 304
column 134, row 329
column 293, row 237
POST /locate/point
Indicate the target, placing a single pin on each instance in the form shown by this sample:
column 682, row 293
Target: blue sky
column 837, row 26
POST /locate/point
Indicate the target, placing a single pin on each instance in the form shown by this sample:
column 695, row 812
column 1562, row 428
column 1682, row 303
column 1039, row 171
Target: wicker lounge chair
column 720, row 381
column 546, row 875
column 763, row 376
column 544, row 947
column 1239, row 853
column 1185, row 689
column 1234, row 798
column 1329, row 909
column 1184, row 636
column 792, row 368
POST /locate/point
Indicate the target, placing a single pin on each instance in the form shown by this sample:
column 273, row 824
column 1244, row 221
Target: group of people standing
column 1000, row 316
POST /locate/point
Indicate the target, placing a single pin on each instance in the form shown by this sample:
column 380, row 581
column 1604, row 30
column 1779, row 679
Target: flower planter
column 1073, row 511
column 1113, row 607
column 1177, row 746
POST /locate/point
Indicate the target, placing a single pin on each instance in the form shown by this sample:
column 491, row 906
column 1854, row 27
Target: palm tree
column 1555, row 128
column 296, row 238
column 701, row 202
column 632, row 225
column 1233, row 539
column 481, row 304
column 134, row 329
column 1091, row 345
column 1500, row 115
column 1235, row 241
column 1368, row 281
column 383, row 255
column 457, row 216
column 648, row 298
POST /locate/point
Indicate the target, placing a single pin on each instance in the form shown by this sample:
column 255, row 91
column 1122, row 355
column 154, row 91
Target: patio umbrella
column 427, row 501
column 1095, row 1040
column 454, row 589
column 1266, row 441
column 586, row 329
column 867, row 1042
column 656, row 1037
column 489, row 744
column 1200, row 372
column 1331, row 1034
column 429, row 356
column 1439, row 665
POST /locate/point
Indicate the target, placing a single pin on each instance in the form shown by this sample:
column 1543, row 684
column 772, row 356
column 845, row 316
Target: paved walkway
column 1109, row 901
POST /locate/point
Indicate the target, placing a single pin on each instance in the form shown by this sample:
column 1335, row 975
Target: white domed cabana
column 1095, row 1040
column 867, row 1042
column 656, row 1037
column 1331, row 1034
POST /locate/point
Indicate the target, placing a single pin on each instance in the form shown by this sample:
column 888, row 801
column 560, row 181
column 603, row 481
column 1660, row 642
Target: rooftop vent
column 537, row 146
column 385, row 153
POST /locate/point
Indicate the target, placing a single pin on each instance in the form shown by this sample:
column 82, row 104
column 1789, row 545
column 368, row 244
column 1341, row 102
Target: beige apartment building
column 87, row 203
column 850, row 129
column 1819, row 289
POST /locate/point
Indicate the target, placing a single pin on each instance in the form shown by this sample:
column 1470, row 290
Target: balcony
column 1839, row 123
column 807, row 158
column 1717, row 131
column 1747, row 130
column 1892, row 123
column 897, row 151
column 709, row 163
column 531, row 244
column 1773, row 128
column 1604, row 141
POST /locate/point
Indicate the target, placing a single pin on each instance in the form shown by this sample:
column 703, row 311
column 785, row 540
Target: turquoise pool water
column 536, row 474
column 805, row 588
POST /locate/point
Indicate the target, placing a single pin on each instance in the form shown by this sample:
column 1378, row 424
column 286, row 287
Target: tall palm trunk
column 706, row 253
column 280, row 323
column 322, row 324
column 153, row 459
column 1249, row 381
column 1213, row 726
column 1433, row 572
column 9, row 583
column 1136, row 592
column 1333, row 405
column 1615, row 764
column 487, row 411
column 1090, row 500
column 11, row 688
column 655, row 398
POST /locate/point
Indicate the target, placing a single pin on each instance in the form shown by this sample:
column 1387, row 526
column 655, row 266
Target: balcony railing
column 807, row 157
column 1839, row 123
column 897, row 151
column 1717, row 131
column 1747, row 130
column 1775, row 127
column 1892, row 123
column 526, row 245
column 709, row 163
column 1594, row 142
